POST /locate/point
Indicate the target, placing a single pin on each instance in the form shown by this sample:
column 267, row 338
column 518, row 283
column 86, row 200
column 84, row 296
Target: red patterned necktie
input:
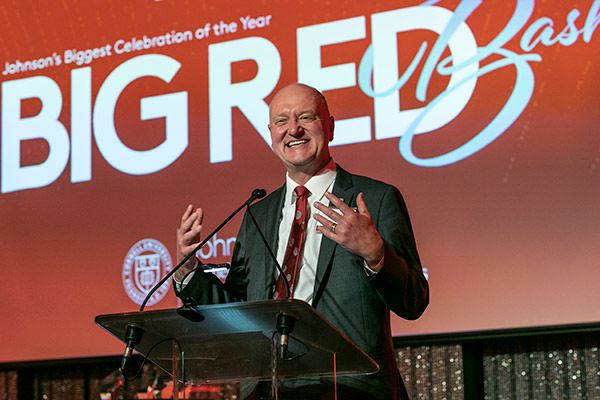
column 293, row 252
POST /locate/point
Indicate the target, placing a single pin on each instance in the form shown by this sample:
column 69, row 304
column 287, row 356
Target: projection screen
column 115, row 115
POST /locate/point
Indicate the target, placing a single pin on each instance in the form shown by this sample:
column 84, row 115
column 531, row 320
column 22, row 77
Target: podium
column 234, row 342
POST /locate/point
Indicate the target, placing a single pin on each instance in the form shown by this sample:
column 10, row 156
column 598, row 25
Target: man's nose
column 294, row 128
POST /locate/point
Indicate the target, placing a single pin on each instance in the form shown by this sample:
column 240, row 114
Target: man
column 358, row 260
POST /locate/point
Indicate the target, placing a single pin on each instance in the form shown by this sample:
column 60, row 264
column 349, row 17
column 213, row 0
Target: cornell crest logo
column 146, row 263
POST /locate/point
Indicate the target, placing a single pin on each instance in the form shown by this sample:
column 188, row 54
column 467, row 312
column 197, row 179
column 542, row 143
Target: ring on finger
column 333, row 226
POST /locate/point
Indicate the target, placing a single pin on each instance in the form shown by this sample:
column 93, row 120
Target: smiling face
column 301, row 129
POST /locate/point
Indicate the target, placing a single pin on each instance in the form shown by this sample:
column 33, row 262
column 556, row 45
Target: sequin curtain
column 8, row 385
column 432, row 372
column 548, row 367
column 557, row 368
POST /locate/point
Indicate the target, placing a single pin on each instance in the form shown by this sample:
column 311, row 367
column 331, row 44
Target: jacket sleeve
column 400, row 283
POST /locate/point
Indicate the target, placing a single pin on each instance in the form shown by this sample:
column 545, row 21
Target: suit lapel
column 342, row 189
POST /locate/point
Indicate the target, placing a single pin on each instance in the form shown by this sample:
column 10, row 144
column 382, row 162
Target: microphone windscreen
column 259, row 193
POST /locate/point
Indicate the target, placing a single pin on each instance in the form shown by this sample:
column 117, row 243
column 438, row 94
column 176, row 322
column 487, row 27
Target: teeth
column 296, row 142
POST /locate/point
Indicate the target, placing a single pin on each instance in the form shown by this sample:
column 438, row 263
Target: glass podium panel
column 235, row 341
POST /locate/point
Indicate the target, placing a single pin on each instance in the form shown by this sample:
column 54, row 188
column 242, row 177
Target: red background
column 509, row 236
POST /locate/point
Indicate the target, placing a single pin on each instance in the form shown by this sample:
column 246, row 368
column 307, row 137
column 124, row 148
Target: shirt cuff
column 370, row 271
column 186, row 279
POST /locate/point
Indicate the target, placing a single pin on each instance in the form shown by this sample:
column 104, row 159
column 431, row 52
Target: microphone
column 285, row 322
column 133, row 336
column 256, row 194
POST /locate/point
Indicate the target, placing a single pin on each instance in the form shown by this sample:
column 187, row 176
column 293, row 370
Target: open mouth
column 296, row 143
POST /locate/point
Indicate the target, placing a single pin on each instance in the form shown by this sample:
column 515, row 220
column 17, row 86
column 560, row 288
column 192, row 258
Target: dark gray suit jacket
column 358, row 305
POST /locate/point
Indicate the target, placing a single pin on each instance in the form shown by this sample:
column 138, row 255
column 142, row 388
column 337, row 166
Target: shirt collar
column 318, row 184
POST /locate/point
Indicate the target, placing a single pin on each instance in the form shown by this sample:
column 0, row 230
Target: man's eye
column 307, row 118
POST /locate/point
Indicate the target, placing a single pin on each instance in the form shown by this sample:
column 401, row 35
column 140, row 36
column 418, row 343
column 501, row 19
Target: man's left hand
column 353, row 230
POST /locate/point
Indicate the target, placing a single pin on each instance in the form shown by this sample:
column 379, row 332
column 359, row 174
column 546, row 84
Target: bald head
column 309, row 90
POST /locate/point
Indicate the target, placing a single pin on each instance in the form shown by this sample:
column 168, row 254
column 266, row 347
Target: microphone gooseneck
column 271, row 253
column 285, row 322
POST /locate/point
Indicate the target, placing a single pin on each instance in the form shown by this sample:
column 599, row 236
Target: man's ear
column 331, row 127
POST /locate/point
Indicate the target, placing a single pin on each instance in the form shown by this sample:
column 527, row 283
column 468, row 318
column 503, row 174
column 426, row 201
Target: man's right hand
column 188, row 237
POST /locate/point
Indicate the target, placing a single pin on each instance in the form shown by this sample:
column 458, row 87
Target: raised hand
column 353, row 230
column 188, row 237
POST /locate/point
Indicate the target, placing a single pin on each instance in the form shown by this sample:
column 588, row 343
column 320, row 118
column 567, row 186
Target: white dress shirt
column 317, row 185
